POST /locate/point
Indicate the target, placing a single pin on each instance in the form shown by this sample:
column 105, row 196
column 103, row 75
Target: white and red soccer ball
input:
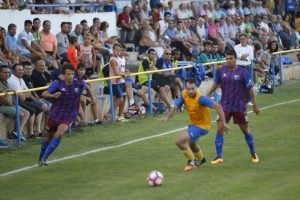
column 155, row 178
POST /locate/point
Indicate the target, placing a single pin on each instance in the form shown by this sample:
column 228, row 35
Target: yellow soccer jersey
column 199, row 114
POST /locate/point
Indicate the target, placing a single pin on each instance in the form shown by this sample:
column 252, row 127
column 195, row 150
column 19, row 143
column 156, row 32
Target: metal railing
column 184, row 64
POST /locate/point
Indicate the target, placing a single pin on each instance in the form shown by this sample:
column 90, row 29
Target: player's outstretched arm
column 172, row 112
column 47, row 94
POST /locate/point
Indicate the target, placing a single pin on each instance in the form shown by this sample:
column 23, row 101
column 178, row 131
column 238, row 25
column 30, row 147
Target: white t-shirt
column 16, row 83
column 24, row 36
column 242, row 50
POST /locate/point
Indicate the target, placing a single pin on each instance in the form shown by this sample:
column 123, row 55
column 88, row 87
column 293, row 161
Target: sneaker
column 3, row 145
column 217, row 160
column 43, row 161
column 250, row 103
column 189, row 166
column 121, row 119
column 254, row 158
column 98, row 122
column 14, row 135
column 198, row 163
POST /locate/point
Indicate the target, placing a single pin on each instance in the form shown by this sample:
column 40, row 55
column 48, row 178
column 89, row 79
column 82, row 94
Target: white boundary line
column 123, row 144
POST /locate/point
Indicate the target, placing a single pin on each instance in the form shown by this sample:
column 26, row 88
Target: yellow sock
column 199, row 155
column 189, row 154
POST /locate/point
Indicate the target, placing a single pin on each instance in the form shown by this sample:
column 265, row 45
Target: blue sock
column 219, row 144
column 51, row 147
column 44, row 146
column 250, row 142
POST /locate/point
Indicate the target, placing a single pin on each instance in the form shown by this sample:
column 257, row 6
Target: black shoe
column 98, row 122
column 14, row 135
column 198, row 163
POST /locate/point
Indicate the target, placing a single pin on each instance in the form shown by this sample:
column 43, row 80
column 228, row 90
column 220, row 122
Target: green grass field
column 118, row 170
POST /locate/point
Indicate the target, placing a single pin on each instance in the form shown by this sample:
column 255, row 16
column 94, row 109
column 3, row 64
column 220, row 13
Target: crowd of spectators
column 161, row 33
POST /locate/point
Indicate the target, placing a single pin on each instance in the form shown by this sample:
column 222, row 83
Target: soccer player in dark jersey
column 66, row 98
column 234, row 82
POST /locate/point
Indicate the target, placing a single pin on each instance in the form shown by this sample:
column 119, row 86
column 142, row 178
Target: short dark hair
column 36, row 19
column 26, row 63
column 4, row 66
column 81, row 66
column 10, row 26
column 191, row 80
column 46, row 21
column 27, row 22
column 83, row 21
column 230, row 52
column 67, row 66
column 95, row 19
column 150, row 50
column 167, row 13
column 15, row 66
column 73, row 39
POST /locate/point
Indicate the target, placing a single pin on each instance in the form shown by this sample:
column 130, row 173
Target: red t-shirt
column 73, row 56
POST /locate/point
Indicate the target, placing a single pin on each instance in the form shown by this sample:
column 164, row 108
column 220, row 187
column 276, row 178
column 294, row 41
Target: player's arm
column 212, row 89
column 53, row 91
column 178, row 103
column 255, row 108
column 206, row 101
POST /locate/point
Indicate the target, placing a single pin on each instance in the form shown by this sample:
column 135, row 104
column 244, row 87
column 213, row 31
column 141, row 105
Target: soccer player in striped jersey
column 234, row 82
column 66, row 98
column 199, row 122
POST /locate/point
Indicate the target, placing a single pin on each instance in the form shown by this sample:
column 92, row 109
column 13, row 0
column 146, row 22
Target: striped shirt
column 234, row 84
column 66, row 106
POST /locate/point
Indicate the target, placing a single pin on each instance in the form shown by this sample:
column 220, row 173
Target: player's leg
column 55, row 141
column 242, row 120
column 182, row 142
column 219, row 140
column 195, row 133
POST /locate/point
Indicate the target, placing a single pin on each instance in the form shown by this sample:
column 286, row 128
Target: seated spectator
column 26, row 100
column 26, row 44
column 85, row 27
column 7, row 106
column 40, row 77
column 108, row 41
column 147, row 65
column 63, row 41
column 45, row 106
column 81, row 75
column 49, row 45
column 11, row 43
column 262, row 62
column 35, row 30
column 146, row 43
column 78, row 33
column 167, row 78
column 127, row 27
column 63, row 9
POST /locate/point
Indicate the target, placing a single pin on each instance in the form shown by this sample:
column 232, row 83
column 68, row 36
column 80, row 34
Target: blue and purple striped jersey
column 234, row 84
column 66, row 106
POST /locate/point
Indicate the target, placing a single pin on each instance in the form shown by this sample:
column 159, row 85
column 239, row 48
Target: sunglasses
column 168, row 53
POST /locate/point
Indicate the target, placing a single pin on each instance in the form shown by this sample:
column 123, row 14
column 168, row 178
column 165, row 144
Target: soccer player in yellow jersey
column 199, row 122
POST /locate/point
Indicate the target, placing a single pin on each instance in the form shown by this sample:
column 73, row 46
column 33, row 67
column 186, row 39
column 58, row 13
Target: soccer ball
column 155, row 178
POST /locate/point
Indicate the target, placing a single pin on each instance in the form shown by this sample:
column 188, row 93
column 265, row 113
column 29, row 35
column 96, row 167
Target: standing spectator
column 87, row 55
column 245, row 54
column 234, row 82
column 72, row 52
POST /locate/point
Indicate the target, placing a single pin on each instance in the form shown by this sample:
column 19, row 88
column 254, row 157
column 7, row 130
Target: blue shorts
column 117, row 90
column 196, row 132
